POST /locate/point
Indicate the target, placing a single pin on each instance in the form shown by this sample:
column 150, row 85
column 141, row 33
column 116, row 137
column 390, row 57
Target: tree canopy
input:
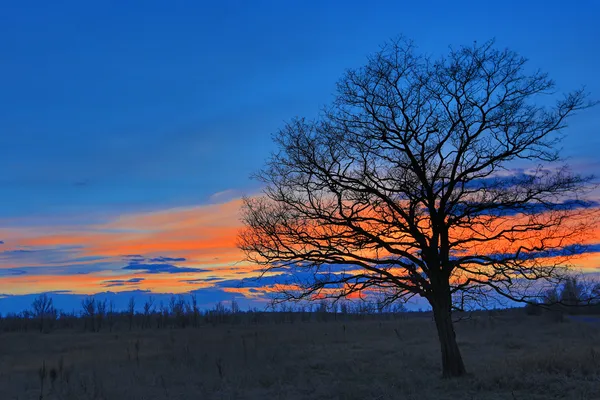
column 441, row 178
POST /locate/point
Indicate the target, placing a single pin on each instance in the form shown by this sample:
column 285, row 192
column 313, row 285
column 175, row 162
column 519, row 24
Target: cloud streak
column 179, row 250
column 161, row 268
column 160, row 250
column 122, row 282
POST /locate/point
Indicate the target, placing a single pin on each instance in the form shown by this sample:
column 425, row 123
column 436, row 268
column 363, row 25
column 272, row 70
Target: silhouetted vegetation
column 183, row 312
column 403, row 187
column 573, row 297
column 44, row 312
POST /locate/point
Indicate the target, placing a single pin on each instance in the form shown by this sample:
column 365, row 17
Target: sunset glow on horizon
column 127, row 139
column 175, row 251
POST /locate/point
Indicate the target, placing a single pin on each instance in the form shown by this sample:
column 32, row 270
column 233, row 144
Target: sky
column 129, row 130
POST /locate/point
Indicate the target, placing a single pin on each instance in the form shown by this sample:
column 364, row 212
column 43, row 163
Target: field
column 508, row 357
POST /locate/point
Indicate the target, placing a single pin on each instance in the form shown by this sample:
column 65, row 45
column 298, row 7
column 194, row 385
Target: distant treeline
column 573, row 297
column 570, row 298
column 183, row 312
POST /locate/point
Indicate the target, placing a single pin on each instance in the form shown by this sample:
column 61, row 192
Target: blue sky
column 111, row 106
column 109, row 109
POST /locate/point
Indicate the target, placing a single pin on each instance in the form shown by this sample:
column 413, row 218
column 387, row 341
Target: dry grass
column 509, row 358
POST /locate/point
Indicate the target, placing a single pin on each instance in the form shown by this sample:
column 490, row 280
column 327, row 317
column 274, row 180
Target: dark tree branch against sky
column 407, row 181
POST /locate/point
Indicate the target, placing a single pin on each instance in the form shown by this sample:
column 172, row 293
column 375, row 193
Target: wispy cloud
column 11, row 272
column 190, row 242
column 158, row 265
column 201, row 280
column 166, row 251
column 167, row 259
column 225, row 195
column 161, row 268
column 122, row 282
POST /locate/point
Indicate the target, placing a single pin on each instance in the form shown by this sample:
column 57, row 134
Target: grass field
column 508, row 357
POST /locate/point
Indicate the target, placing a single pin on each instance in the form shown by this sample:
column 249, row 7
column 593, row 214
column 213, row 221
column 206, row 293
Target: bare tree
column 438, row 178
column 595, row 294
column 573, row 292
column 43, row 309
column 235, row 307
column 148, row 310
column 100, row 313
column 131, row 311
column 196, row 311
column 177, row 309
column 111, row 315
column 88, row 305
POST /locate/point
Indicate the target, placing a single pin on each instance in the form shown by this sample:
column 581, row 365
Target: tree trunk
column 452, row 362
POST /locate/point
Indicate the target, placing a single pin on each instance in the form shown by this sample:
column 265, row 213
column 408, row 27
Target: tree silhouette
column 88, row 305
column 437, row 178
column 43, row 309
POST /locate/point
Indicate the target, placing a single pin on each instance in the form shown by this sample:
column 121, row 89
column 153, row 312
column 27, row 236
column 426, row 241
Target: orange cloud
column 93, row 283
column 204, row 235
